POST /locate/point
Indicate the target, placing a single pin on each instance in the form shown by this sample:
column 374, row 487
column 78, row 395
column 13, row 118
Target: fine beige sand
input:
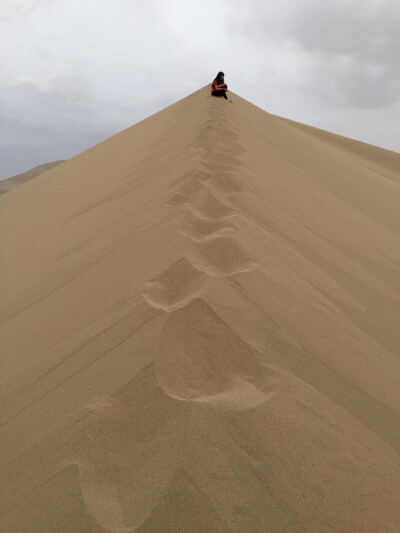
column 200, row 332
column 10, row 183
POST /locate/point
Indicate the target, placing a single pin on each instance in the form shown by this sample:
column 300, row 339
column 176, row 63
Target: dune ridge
column 199, row 331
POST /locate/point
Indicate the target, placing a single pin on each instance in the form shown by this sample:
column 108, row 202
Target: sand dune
column 10, row 183
column 200, row 331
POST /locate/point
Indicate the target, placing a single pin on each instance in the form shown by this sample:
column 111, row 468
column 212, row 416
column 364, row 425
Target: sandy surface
column 10, row 183
column 200, row 332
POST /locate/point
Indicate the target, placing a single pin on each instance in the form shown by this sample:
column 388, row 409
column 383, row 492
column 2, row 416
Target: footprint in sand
column 219, row 256
column 174, row 287
column 202, row 229
column 199, row 358
column 211, row 208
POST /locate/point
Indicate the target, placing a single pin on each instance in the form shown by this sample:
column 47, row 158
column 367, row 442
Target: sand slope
column 10, row 183
column 199, row 332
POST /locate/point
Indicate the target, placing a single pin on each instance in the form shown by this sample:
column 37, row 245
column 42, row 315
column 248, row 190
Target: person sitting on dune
column 219, row 87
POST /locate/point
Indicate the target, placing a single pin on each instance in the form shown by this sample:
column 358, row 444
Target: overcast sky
column 74, row 72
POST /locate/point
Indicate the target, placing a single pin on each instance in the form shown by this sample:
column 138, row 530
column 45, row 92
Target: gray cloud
column 12, row 10
column 349, row 49
column 59, row 119
column 360, row 42
column 365, row 30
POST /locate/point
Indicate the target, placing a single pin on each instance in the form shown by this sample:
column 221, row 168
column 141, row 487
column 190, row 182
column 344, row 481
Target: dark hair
column 218, row 77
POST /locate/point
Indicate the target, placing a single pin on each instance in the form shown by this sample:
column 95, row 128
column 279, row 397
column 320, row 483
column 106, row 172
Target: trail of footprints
column 211, row 248
column 191, row 375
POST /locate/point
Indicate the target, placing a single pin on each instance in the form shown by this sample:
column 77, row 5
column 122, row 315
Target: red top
column 214, row 86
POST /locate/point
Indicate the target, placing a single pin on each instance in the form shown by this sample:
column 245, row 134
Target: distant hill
column 10, row 183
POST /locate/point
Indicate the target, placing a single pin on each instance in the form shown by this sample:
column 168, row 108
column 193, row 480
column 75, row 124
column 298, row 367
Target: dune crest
column 199, row 330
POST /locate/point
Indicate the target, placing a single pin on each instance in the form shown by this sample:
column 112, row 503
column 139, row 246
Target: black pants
column 220, row 92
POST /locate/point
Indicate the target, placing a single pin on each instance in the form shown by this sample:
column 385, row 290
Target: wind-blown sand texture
column 200, row 332
column 10, row 183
